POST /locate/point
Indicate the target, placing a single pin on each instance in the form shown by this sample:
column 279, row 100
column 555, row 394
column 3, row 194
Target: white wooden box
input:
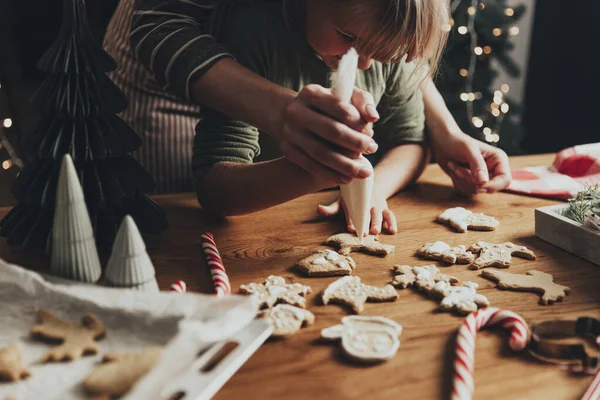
column 567, row 234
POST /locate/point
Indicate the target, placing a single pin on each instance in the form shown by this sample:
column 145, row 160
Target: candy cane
column 465, row 344
column 179, row 287
column 215, row 264
column 593, row 392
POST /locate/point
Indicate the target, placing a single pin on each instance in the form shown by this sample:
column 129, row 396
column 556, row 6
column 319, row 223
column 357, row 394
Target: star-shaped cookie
column 326, row 263
column 274, row 290
column 349, row 242
column 462, row 219
column 351, row 291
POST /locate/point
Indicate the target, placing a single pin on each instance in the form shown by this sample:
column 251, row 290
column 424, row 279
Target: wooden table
column 272, row 241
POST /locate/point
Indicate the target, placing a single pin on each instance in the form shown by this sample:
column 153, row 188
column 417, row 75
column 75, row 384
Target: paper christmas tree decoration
column 79, row 104
column 129, row 265
column 74, row 254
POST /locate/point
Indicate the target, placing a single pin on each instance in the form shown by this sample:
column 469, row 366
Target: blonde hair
column 414, row 29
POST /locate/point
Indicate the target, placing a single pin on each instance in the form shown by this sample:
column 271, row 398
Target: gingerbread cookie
column 462, row 219
column 423, row 278
column 287, row 320
column 274, row 290
column 366, row 339
column 326, row 263
column 351, row 291
column 11, row 365
column 349, row 242
column 463, row 299
column 498, row 255
column 77, row 340
column 533, row 281
column 120, row 371
column 443, row 252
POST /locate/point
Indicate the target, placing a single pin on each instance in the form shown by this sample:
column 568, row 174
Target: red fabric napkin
column 572, row 170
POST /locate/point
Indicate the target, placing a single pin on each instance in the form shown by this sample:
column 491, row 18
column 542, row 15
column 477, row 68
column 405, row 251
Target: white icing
column 456, row 213
column 438, row 247
column 423, row 274
column 276, row 290
column 319, row 261
column 331, row 255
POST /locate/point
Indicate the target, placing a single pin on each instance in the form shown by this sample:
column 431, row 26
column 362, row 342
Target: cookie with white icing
column 464, row 299
column 498, row 255
column 349, row 242
column 366, row 339
column 462, row 220
column 287, row 320
column 441, row 251
column 326, row 263
column 274, row 290
column 422, row 278
column 351, row 291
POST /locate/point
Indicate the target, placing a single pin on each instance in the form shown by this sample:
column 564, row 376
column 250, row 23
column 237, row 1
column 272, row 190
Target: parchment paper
column 133, row 321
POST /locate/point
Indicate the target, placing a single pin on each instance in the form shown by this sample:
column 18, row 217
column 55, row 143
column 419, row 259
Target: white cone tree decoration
column 74, row 253
column 129, row 264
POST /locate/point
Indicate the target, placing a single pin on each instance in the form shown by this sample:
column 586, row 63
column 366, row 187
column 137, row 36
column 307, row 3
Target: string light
column 464, row 96
column 471, row 96
column 471, row 10
column 478, row 50
column 495, row 138
column 7, row 123
column 509, row 12
column 477, row 122
column 487, row 49
column 6, row 164
column 446, row 27
column 462, row 30
column 481, row 5
column 497, row 32
column 513, row 31
column 464, row 73
column 504, row 88
column 487, row 131
column 504, row 108
column 495, row 112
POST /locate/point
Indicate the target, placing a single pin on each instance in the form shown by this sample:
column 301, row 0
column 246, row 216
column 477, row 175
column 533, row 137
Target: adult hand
column 382, row 218
column 474, row 166
column 325, row 136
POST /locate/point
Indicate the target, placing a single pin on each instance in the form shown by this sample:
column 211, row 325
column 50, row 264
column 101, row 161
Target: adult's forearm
column 236, row 188
column 234, row 90
column 399, row 167
column 438, row 118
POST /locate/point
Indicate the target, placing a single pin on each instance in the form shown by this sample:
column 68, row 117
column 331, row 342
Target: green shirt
column 262, row 38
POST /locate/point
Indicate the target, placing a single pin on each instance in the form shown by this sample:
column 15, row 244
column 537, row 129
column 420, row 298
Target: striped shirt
column 161, row 46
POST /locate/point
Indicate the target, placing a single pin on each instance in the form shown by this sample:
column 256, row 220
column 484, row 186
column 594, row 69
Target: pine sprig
column 586, row 200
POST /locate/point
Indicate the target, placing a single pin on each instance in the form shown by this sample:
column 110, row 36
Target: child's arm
column 398, row 168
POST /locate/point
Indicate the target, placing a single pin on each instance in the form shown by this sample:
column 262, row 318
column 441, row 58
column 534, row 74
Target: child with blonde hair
column 297, row 44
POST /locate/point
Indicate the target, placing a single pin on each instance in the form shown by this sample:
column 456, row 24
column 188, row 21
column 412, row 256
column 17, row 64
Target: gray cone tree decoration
column 129, row 265
column 74, row 254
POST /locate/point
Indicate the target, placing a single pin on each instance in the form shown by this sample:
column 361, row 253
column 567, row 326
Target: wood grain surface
column 272, row 241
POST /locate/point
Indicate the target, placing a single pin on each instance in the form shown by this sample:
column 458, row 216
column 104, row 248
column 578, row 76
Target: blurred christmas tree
column 79, row 106
column 481, row 31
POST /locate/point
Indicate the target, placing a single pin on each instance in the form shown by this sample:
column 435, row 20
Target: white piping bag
column 357, row 194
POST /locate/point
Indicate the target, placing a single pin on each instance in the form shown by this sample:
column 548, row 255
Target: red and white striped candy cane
column 179, row 287
column 593, row 392
column 215, row 264
column 464, row 360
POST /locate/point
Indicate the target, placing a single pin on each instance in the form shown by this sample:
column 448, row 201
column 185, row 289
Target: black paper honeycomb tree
column 79, row 104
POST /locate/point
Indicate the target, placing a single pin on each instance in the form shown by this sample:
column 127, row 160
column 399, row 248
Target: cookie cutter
column 574, row 356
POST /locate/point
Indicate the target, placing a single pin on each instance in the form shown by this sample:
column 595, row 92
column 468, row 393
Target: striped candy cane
column 215, row 264
column 593, row 392
column 179, row 287
column 464, row 360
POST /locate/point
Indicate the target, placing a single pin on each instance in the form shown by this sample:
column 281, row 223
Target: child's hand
column 382, row 218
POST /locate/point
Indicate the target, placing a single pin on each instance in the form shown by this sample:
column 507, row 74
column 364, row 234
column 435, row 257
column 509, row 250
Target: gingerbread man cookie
column 423, row 278
column 119, row 371
column 287, row 320
column 349, row 242
column 351, row 291
column 366, row 339
column 11, row 365
column 326, row 263
column 274, row 290
column 463, row 299
column 498, row 255
column 443, row 252
column 533, row 281
column 462, row 219
column 77, row 340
